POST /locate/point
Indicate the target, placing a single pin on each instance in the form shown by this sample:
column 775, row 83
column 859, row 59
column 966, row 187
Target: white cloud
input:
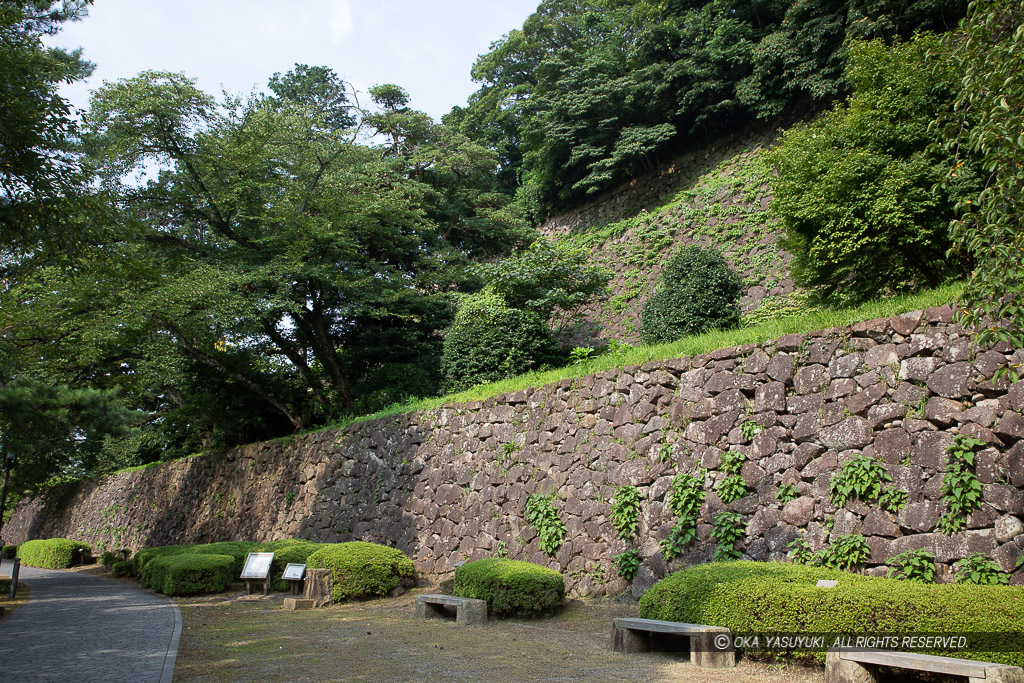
column 340, row 22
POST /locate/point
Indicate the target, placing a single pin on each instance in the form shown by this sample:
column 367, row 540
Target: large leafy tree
column 854, row 188
column 38, row 170
column 591, row 92
column 986, row 128
column 262, row 268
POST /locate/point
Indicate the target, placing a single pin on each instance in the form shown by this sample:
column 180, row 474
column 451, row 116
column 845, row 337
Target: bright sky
column 425, row 46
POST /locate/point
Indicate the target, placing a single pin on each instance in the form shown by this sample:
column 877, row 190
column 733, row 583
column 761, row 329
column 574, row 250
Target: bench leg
column 1001, row 674
column 625, row 640
column 705, row 654
column 844, row 671
column 471, row 613
column 430, row 610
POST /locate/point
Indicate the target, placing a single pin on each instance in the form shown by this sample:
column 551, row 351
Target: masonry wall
column 451, row 484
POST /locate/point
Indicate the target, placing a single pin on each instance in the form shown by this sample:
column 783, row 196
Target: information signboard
column 293, row 572
column 257, row 565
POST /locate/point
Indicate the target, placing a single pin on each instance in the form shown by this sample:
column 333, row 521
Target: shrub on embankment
column 53, row 553
column 773, row 597
column 510, row 587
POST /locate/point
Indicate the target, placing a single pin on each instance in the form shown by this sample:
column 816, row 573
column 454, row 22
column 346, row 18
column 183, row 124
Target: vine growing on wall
column 733, row 486
column 961, row 489
column 684, row 498
column 728, row 529
column 861, row 477
column 543, row 517
column 625, row 511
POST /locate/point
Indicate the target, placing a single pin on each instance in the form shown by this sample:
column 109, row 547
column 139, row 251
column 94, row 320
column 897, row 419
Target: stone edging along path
column 451, row 484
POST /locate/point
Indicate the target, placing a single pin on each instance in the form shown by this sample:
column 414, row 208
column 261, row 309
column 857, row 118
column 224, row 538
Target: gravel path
column 77, row 627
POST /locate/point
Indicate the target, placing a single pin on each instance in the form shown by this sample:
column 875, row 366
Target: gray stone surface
column 451, row 483
column 77, row 627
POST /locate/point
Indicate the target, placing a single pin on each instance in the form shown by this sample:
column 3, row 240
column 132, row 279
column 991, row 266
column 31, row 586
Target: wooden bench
column 710, row 646
column 467, row 610
column 856, row 666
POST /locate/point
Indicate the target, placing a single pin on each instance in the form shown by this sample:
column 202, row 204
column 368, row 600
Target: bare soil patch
column 225, row 639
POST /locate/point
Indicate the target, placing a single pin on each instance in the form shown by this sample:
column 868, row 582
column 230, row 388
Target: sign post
column 256, row 569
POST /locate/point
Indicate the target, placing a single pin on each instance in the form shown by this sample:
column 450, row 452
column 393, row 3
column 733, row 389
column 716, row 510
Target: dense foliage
column 490, row 340
column 553, row 280
column 698, row 292
column 269, row 270
column 770, row 597
column 510, row 587
column 39, row 172
column 589, row 92
column 363, row 570
column 52, row 553
column 854, row 189
column 987, row 127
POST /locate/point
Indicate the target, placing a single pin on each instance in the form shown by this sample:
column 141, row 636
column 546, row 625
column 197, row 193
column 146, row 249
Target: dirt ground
column 226, row 639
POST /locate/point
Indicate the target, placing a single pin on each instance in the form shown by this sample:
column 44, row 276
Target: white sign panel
column 293, row 572
column 257, row 565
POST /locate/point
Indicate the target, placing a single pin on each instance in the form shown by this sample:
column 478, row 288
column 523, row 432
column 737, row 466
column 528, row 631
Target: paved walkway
column 78, row 627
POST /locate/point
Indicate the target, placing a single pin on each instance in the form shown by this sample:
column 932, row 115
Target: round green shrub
column 189, row 573
column 285, row 552
column 122, row 568
column 511, row 587
column 9, row 552
column 698, row 292
column 772, row 597
column 363, row 570
column 53, row 553
column 490, row 341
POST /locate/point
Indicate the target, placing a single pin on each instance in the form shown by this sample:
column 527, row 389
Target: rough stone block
column 853, row 432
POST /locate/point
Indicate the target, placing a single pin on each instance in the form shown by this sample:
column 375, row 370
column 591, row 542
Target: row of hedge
column 773, row 597
column 53, row 553
column 360, row 570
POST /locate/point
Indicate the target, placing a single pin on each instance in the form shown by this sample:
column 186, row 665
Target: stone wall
column 451, row 484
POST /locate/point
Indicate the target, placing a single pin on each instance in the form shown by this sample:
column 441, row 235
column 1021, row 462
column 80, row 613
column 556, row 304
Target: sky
column 426, row 46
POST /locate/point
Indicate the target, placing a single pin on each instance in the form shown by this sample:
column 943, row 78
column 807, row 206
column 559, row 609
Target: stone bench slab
column 847, row 666
column 468, row 611
column 633, row 635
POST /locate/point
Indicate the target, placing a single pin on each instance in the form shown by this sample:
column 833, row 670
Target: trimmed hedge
column 236, row 550
column 9, row 552
column 772, row 597
column 189, row 573
column 363, row 570
column 123, row 568
column 52, row 553
column 511, row 587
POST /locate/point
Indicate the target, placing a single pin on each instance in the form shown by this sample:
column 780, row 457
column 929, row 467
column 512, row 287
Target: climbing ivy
column 542, row 516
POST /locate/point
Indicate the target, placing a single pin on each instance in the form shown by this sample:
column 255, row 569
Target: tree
column 552, row 280
column 590, row 93
column 272, row 273
column 38, row 168
column 986, row 128
column 854, row 188
column 56, row 431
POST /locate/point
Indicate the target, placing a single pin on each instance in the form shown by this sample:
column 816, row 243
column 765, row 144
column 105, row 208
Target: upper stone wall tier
column 451, row 484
